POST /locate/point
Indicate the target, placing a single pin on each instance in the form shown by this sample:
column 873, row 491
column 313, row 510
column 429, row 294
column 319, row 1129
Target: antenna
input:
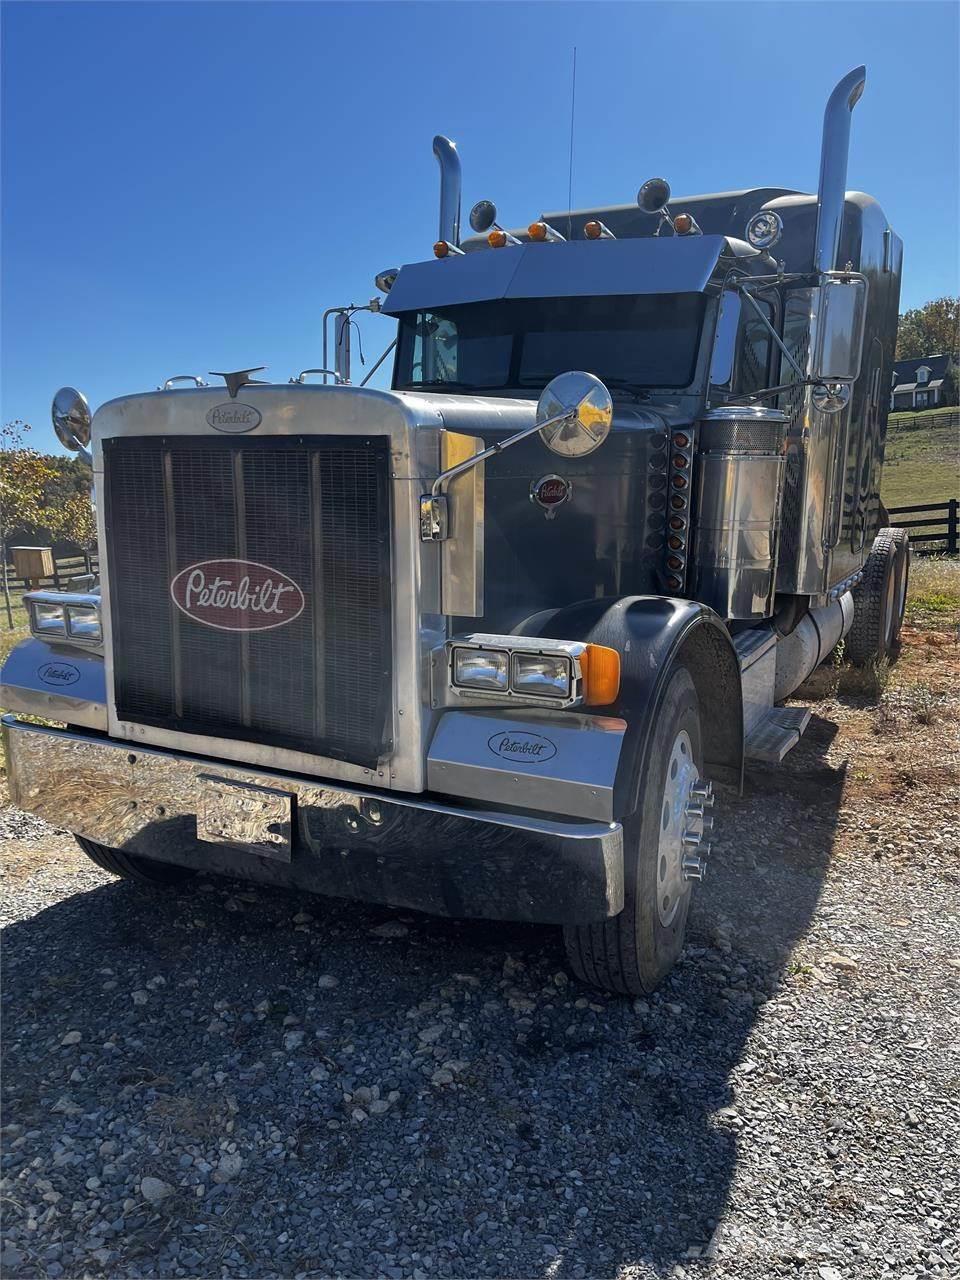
column 573, row 112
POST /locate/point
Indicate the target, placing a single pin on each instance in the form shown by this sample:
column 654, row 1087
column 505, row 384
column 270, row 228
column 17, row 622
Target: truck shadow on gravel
column 327, row 1088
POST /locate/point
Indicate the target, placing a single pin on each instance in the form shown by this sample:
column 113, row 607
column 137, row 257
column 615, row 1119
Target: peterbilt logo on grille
column 550, row 492
column 234, row 417
column 237, row 595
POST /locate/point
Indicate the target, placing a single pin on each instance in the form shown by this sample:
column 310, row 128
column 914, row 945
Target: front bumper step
column 402, row 851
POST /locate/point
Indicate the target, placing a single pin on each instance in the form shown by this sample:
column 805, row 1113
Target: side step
column 775, row 735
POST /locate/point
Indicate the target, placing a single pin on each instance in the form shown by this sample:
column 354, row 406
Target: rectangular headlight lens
column 83, row 622
column 481, row 669
column 47, row 619
column 540, row 675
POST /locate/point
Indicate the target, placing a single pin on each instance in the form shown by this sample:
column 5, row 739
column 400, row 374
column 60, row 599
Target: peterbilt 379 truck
column 479, row 644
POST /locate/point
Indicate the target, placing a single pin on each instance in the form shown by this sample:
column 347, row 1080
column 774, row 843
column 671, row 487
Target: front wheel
column 880, row 599
column 127, row 865
column 664, row 854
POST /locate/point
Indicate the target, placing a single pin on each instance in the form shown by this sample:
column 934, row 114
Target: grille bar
column 311, row 511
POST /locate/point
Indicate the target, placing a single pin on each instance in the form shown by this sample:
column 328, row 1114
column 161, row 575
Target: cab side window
column 754, row 350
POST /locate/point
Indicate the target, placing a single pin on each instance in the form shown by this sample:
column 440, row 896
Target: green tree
column 930, row 330
column 75, row 520
column 23, row 475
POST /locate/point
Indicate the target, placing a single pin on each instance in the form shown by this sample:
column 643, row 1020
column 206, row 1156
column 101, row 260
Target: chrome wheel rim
column 682, row 775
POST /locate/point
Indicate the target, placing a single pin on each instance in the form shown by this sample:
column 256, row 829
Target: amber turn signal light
column 600, row 669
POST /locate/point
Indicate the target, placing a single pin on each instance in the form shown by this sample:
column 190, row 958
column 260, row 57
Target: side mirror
column 71, row 419
column 841, row 315
column 576, row 411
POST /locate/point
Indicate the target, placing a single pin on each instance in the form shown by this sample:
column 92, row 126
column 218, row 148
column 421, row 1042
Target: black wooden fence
column 936, row 526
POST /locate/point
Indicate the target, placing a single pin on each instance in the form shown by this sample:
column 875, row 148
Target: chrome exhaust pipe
column 449, row 161
column 834, row 152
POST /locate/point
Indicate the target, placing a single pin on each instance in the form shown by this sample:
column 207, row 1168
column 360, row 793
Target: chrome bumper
column 407, row 852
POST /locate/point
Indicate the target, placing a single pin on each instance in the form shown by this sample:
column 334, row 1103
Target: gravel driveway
column 229, row 1081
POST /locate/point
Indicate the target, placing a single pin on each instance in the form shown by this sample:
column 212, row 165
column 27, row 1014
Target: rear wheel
column 130, row 867
column 633, row 952
column 880, row 599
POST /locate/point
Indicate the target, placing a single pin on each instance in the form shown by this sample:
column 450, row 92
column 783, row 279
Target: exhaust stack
column 834, row 152
column 449, row 161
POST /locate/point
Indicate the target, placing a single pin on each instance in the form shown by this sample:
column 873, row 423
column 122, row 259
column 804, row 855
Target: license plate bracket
column 242, row 816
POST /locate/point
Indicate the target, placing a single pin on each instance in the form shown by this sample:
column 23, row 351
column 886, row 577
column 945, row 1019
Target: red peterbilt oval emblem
column 237, row 595
column 549, row 492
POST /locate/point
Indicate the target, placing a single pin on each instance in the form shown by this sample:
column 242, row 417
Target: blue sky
column 188, row 186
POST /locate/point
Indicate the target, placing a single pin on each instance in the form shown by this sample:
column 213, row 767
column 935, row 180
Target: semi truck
column 480, row 644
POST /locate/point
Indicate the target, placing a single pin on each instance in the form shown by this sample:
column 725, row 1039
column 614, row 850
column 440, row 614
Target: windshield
column 648, row 341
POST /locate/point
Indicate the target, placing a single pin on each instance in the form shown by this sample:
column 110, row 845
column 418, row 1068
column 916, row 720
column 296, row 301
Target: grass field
column 921, row 462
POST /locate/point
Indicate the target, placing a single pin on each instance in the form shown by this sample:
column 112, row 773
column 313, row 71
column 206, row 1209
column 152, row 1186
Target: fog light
column 541, row 675
column 83, row 622
column 47, row 619
column 481, row 669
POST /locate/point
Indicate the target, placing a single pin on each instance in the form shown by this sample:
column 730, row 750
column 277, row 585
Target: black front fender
column 652, row 635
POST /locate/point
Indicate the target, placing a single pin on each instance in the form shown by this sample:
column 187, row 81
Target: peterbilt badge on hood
column 237, row 595
column 234, row 418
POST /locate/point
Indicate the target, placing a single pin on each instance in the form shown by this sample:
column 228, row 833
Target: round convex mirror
column 577, row 412
column 71, row 418
column 483, row 215
column 830, row 397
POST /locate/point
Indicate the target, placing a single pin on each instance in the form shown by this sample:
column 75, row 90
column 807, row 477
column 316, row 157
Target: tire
column 880, row 600
column 634, row 951
column 127, row 865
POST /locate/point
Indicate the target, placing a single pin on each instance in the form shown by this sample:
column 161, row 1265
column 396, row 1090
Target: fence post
column 87, row 563
column 56, row 577
column 952, row 527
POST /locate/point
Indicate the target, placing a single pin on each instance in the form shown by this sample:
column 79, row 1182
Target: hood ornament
column 239, row 378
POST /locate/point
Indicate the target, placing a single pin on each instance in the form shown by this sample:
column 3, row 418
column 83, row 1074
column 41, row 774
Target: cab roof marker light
column 443, row 249
column 685, row 224
column 542, row 233
column 498, row 238
column 595, row 230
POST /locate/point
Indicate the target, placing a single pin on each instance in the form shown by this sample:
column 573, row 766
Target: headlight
column 47, row 619
column 541, row 675
column 83, row 622
column 481, row 669
column 66, row 616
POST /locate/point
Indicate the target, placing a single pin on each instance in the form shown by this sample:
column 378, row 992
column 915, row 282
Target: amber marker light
column 497, row 238
column 683, row 224
column 537, row 231
column 600, row 670
column 675, row 543
column 678, row 501
column 593, row 230
column 441, row 249
column 674, row 562
column 677, row 523
column 680, row 440
column 678, row 481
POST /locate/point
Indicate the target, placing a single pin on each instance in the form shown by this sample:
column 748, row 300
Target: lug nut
column 693, row 868
column 691, row 839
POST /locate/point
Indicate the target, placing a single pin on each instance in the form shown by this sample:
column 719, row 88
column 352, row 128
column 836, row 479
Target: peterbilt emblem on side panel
column 521, row 747
column 237, row 595
column 550, row 492
column 59, row 673
column 234, row 417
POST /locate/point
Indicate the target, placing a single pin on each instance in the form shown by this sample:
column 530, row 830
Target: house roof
column 907, row 369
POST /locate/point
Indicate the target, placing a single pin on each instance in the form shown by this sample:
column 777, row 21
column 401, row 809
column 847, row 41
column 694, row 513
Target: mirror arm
column 452, row 472
column 434, row 518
